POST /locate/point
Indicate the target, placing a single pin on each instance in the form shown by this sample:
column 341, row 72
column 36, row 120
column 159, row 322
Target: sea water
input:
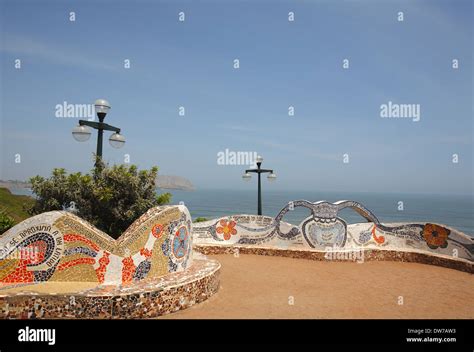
column 452, row 210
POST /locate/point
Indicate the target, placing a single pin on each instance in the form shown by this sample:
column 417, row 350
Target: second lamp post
column 82, row 132
column 247, row 176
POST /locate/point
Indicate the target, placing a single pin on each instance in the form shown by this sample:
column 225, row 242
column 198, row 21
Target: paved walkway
column 264, row 287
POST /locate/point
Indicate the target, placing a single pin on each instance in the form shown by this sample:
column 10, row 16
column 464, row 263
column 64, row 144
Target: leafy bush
column 110, row 198
column 200, row 219
column 6, row 222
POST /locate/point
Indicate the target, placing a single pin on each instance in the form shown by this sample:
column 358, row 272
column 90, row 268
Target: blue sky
column 282, row 64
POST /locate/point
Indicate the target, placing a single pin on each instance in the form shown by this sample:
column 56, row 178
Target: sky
column 282, row 63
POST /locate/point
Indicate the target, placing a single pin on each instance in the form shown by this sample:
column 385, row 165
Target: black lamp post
column 258, row 171
column 82, row 133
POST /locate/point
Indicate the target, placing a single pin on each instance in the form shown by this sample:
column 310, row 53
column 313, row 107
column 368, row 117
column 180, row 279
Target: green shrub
column 200, row 219
column 6, row 222
column 110, row 198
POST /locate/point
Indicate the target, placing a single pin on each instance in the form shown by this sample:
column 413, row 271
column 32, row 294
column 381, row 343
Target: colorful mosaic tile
column 145, row 298
column 323, row 229
column 67, row 248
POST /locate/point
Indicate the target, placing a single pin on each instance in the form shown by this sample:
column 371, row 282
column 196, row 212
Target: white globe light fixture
column 102, row 106
column 246, row 176
column 81, row 133
column 271, row 177
column 117, row 140
column 259, row 159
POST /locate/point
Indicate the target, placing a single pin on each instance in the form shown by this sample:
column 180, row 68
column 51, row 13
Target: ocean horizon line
column 199, row 189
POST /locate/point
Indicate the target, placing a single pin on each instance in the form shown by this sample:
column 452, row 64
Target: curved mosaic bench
column 154, row 256
column 325, row 236
column 146, row 298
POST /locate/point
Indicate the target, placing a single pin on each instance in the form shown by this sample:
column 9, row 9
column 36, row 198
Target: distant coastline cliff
column 174, row 182
column 9, row 184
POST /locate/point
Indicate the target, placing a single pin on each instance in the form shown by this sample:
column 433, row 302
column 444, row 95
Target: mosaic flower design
column 227, row 228
column 435, row 236
column 157, row 230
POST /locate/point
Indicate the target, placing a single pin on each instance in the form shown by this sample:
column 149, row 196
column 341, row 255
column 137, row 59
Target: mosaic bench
column 57, row 251
column 325, row 236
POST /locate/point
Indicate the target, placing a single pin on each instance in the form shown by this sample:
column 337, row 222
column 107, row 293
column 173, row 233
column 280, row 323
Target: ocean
column 453, row 210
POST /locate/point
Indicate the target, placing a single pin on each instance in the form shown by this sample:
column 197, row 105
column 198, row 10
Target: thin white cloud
column 21, row 45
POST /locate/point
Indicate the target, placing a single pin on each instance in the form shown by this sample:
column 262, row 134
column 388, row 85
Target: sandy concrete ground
column 262, row 287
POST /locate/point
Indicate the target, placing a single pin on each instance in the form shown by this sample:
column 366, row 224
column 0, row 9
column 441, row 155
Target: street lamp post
column 271, row 177
column 82, row 133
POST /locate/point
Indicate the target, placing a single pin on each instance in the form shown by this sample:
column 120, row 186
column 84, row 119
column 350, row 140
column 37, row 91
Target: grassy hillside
column 13, row 204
